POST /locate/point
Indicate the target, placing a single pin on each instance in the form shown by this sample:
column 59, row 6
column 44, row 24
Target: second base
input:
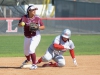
column 27, row 66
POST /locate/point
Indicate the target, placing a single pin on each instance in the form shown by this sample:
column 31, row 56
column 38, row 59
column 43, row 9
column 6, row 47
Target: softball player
column 31, row 39
column 55, row 51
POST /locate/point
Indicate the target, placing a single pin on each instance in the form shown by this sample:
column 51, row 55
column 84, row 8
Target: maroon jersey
column 27, row 21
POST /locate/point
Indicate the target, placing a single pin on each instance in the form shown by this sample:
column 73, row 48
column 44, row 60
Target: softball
column 22, row 23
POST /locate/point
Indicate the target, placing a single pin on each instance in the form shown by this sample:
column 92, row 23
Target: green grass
column 87, row 44
column 12, row 46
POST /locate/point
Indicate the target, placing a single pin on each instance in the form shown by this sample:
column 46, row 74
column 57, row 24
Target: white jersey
column 58, row 40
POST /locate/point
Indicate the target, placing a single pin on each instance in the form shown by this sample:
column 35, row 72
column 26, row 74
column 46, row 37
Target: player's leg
column 47, row 57
column 60, row 61
column 50, row 64
column 33, row 45
column 26, row 47
column 26, row 50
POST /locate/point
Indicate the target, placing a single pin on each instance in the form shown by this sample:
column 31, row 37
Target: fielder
column 55, row 51
column 32, row 25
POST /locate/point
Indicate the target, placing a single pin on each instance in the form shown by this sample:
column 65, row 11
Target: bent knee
column 45, row 59
column 61, row 64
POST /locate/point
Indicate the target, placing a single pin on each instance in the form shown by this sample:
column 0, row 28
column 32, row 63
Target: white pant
column 49, row 55
column 30, row 44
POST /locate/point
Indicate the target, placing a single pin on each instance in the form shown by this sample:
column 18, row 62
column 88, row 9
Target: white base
column 27, row 66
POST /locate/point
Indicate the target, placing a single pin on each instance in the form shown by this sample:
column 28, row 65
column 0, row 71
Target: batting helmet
column 66, row 33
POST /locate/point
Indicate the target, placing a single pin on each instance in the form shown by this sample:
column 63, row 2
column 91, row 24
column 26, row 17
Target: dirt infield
column 87, row 65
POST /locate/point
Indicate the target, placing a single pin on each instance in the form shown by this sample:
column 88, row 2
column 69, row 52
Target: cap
column 32, row 7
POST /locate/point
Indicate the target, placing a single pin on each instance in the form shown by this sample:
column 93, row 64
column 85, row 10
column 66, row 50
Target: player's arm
column 21, row 22
column 56, row 44
column 72, row 53
column 61, row 47
column 42, row 26
column 71, row 50
column 58, row 47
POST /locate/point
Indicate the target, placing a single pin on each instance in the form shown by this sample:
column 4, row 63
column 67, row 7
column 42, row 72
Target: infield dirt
column 87, row 65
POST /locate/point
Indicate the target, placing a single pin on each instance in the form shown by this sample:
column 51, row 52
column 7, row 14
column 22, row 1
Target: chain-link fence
column 17, row 8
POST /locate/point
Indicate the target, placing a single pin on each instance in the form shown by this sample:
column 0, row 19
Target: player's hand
column 64, row 50
column 21, row 24
column 75, row 62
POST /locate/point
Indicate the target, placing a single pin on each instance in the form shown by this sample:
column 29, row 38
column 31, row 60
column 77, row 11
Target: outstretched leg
column 39, row 61
column 47, row 57
column 50, row 64
column 59, row 62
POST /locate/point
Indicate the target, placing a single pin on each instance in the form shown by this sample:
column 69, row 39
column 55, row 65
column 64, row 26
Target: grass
column 12, row 46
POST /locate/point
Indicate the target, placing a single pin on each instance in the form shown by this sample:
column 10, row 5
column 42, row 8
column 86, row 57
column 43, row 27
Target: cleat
column 24, row 63
column 50, row 64
column 33, row 67
column 47, row 65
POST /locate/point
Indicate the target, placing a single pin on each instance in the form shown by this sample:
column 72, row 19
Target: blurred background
column 51, row 8
column 81, row 16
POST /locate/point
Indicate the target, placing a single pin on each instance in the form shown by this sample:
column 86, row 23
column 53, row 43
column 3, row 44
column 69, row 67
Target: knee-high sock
column 53, row 64
column 28, row 57
column 40, row 60
column 33, row 57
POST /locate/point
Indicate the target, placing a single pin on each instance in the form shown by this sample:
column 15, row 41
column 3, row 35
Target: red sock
column 53, row 64
column 50, row 64
column 40, row 60
column 28, row 57
column 33, row 57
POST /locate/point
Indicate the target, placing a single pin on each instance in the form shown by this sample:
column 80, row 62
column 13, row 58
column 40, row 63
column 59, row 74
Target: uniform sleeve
column 58, row 47
column 23, row 18
column 72, row 53
column 57, row 40
column 56, row 44
column 71, row 45
column 41, row 23
column 72, row 49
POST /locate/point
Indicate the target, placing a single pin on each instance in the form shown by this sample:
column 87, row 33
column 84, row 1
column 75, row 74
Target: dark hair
column 28, row 8
column 67, row 38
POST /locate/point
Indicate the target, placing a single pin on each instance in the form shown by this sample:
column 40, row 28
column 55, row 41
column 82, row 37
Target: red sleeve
column 58, row 47
column 72, row 53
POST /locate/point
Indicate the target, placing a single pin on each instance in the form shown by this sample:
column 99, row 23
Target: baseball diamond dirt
column 87, row 65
